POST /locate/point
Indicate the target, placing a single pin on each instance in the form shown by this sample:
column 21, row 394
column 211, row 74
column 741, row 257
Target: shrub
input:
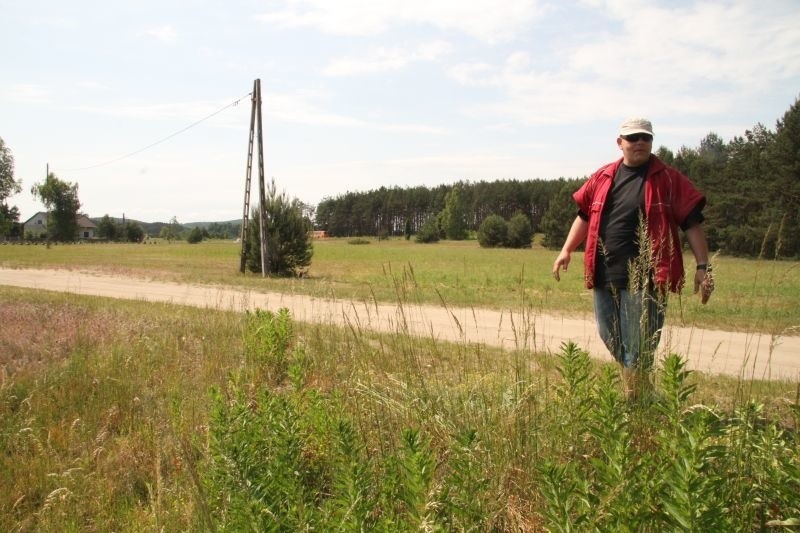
column 520, row 231
column 493, row 232
column 195, row 236
column 429, row 232
column 268, row 339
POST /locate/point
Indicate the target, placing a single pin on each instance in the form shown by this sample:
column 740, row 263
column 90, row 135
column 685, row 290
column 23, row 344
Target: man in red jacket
column 629, row 212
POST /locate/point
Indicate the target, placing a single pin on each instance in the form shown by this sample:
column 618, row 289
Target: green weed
column 130, row 416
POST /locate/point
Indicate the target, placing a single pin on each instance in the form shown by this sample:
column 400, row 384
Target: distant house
column 86, row 228
column 317, row 234
column 36, row 226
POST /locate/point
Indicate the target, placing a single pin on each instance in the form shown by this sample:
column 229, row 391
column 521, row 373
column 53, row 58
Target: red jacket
column 669, row 197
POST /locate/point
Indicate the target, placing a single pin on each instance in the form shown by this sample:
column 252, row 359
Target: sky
column 146, row 104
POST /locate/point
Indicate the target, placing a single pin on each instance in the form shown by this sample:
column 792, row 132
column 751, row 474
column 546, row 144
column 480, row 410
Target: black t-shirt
column 618, row 240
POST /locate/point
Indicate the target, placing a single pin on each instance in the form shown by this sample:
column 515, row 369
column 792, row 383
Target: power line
column 168, row 137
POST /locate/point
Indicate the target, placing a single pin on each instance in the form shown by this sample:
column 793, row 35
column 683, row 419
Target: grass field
column 751, row 295
column 132, row 416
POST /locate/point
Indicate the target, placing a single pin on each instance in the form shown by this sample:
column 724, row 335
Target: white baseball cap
column 636, row 125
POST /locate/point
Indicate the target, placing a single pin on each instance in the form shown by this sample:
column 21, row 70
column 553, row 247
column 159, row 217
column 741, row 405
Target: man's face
column 635, row 148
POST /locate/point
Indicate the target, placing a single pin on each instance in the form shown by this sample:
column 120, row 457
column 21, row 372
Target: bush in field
column 195, row 236
column 492, row 232
column 429, row 232
column 520, row 231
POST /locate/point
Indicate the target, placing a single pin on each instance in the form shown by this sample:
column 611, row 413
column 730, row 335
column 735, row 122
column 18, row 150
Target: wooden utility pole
column 255, row 124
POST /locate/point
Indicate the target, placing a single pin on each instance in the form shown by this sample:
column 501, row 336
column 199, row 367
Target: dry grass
column 104, row 406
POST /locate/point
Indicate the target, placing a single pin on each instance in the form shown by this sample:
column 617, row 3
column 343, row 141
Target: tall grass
column 130, row 416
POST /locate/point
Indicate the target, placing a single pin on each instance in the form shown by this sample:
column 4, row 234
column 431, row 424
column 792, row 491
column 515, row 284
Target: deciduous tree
column 107, row 228
column 9, row 215
column 171, row 231
column 454, row 215
column 133, row 232
column 60, row 198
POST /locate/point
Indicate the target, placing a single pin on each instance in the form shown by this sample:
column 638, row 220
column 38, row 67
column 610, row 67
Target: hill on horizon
column 154, row 228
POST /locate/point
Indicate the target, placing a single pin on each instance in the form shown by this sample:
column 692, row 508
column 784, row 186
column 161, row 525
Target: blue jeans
column 630, row 324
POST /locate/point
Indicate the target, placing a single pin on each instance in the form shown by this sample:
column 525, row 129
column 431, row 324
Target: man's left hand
column 704, row 282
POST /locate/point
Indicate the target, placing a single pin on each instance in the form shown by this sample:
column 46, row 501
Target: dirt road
column 718, row 352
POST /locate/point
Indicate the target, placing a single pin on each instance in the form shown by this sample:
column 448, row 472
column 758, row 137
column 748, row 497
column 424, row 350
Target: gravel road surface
column 752, row 355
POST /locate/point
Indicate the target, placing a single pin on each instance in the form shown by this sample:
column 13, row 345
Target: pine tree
column 558, row 217
column 785, row 156
column 289, row 247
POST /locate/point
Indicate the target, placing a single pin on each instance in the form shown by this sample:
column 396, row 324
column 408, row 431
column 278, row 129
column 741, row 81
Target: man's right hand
column 562, row 262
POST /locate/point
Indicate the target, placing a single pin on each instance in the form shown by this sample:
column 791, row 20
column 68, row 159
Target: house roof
column 82, row 220
column 34, row 216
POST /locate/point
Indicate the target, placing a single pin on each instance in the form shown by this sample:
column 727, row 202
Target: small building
column 86, row 228
column 36, row 226
column 318, row 234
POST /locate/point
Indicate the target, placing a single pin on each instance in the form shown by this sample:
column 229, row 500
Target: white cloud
column 737, row 44
column 482, row 19
column 92, row 85
column 701, row 60
column 387, row 59
column 26, row 93
column 180, row 110
column 305, row 107
column 300, row 107
column 165, row 34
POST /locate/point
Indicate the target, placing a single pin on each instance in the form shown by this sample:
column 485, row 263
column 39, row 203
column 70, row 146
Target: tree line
column 752, row 186
column 396, row 211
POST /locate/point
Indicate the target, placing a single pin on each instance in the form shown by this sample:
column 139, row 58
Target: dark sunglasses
column 637, row 137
